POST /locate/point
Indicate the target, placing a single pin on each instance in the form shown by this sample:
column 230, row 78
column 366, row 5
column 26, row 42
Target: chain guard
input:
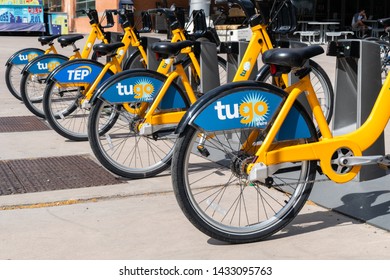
column 327, row 162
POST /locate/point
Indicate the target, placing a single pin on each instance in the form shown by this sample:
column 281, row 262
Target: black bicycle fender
column 130, row 58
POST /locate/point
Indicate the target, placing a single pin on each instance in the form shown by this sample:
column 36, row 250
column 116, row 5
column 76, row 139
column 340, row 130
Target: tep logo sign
column 79, row 74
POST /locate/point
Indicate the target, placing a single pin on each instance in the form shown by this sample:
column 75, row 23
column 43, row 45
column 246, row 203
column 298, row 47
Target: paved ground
column 140, row 219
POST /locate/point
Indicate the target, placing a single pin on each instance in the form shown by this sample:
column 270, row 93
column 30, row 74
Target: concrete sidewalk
column 140, row 219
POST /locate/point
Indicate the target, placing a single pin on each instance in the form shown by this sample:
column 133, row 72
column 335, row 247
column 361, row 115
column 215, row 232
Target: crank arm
column 363, row 160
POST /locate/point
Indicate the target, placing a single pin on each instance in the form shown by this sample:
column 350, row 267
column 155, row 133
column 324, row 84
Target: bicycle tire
column 216, row 197
column 120, row 157
column 12, row 73
column 321, row 83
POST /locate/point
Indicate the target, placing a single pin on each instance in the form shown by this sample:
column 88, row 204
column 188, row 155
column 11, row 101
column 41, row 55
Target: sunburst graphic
column 147, row 88
column 254, row 109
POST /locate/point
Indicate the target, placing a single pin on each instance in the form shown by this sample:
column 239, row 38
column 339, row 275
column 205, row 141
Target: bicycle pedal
column 203, row 151
column 384, row 162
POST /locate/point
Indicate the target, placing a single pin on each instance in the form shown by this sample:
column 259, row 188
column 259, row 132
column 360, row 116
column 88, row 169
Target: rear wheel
column 64, row 112
column 213, row 192
column 12, row 79
column 32, row 87
column 120, row 147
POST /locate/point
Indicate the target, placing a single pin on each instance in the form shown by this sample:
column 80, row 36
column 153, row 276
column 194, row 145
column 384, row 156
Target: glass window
column 83, row 5
column 54, row 5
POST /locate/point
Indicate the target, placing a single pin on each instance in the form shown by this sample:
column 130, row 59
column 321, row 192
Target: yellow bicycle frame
column 357, row 141
column 95, row 33
column 130, row 39
column 51, row 49
column 259, row 43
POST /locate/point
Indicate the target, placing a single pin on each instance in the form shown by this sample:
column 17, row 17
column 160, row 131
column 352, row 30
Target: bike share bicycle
column 34, row 74
column 140, row 144
column 21, row 58
column 261, row 160
column 66, row 97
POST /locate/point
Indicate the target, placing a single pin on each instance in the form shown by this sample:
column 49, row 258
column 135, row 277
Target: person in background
column 358, row 21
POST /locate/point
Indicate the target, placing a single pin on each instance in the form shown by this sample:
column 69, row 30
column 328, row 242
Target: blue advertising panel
column 21, row 15
column 142, row 89
column 251, row 109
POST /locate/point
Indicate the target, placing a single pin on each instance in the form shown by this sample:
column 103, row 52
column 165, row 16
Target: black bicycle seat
column 294, row 57
column 168, row 49
column 105, row 49
column 67, row 40
column 44, row 40
column 384, row 21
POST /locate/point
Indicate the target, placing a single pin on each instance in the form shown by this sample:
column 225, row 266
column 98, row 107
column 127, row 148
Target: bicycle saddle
column 295, row 57
column 47, row 39
column 67, row 40
column 384, row 21
column 105, row 49
column 168, row 49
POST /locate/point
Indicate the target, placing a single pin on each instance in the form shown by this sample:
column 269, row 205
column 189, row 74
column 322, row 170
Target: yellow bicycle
column 71, row 86
column 247, row 155
column 140, row 142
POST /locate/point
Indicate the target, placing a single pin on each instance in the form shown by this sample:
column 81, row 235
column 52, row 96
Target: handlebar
column 169, row 14
column 127, row 17
column 246, row 5
column 92, row 15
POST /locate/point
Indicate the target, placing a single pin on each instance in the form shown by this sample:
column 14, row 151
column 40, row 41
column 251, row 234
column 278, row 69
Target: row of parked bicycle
column 140, row 121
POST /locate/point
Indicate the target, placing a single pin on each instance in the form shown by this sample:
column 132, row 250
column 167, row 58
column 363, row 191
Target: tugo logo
column 27, row 57
column 143, row 89
column 246, row 68
column 253, row 110
column 79, row 73
column 48, row 65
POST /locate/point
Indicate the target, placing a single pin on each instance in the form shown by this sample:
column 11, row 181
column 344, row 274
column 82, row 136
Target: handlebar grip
column 114, row 11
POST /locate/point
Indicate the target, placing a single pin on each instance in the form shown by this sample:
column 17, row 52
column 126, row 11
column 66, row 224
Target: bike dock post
column 209, row 72
column 357, row 85
column 153, row 63
column 235, row 52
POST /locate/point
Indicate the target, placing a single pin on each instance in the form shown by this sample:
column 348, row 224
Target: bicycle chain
column 298, row 182
column 286, row 184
